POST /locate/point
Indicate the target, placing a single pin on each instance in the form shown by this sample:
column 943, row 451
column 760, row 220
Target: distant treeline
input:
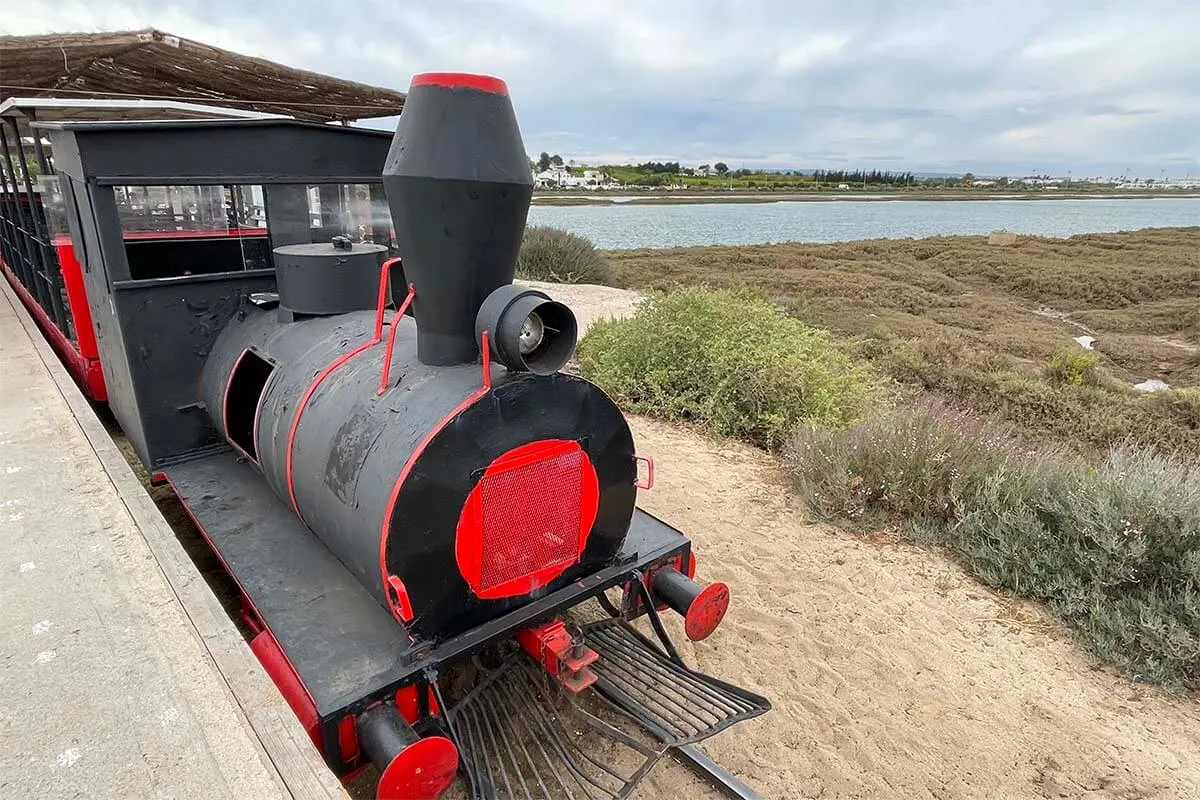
column 874, row 177
column 658, row 168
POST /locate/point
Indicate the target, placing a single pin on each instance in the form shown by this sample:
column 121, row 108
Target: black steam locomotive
column 385, row 455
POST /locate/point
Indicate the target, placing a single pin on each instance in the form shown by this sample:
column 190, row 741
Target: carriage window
column 357, row 210
column 172, row 231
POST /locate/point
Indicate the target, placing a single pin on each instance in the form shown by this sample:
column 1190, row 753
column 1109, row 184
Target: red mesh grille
column 530, row 517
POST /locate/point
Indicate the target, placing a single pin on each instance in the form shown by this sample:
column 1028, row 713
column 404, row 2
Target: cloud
column 924, row 84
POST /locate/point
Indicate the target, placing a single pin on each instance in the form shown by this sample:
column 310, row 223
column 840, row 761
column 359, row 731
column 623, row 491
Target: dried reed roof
column 156, row 65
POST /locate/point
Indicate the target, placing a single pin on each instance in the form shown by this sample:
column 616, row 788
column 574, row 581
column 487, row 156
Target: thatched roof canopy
column 155, row 65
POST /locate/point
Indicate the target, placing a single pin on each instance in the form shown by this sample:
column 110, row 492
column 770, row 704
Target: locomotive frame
column 334, row 652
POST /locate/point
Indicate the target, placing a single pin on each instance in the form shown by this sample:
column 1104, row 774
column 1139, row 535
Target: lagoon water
column 623, row 225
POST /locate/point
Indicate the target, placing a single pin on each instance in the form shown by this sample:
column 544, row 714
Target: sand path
column 892, row 673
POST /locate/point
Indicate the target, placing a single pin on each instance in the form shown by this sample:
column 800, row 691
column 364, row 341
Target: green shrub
column 1113, row 551
column 1073, row 369
column 554, row 255
column 727, row 359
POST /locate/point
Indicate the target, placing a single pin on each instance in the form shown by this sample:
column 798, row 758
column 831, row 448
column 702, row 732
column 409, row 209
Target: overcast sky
column 928, row 85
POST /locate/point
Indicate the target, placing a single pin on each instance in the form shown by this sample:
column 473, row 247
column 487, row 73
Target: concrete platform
column 121, row 674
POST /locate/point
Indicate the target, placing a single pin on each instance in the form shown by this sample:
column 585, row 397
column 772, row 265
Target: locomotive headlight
column 527, row 331
column 533, row 330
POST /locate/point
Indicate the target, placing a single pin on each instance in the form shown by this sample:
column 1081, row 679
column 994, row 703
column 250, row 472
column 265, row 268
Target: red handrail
column 391, row 342
column 385, row 272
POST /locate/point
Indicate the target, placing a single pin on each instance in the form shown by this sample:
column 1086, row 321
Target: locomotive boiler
column 389, row 461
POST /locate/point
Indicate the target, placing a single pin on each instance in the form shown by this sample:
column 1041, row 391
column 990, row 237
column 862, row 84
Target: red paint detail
column 209, row 233
column 406, row 703
column 421, row 771
column 250, row 617
column 284, row 675
column 402, row 601
column 77, row 300
column 409, row 707
column 527, row 519
column 486, row 360
column 649, row 462
column 385, row 525
column 347, row 734
column 706, row 611
column 86, row 372
column 158, row 478
column 391, row 342
column 687, row 564
column 460, row 80
column 552, row 646
column 384, row 271
column 93, row 381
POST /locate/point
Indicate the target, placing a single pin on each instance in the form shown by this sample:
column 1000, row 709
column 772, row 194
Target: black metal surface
column 151, row 259
column 520, row 736
column 458, row 184
column 323, row 279
column 722, row 779
column 676, row 589
column 167, row 329
column 342, row 643
column 676, row 704
column 225, row 151
column 382, row 733
column 153, row 335
column 344, row 646
column 503, row 316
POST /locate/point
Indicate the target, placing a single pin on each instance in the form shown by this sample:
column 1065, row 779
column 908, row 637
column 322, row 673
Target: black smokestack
column 458, row 185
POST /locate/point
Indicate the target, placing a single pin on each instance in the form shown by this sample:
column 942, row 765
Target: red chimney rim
column 461, row 80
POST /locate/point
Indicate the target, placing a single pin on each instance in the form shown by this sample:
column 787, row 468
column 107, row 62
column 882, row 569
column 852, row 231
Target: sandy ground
column 892, row 673
column 590, row 303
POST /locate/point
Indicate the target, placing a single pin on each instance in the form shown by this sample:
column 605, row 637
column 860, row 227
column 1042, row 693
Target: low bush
column 729, row 360
column 1072, row 403
column 1072, row 369
column 1114, row 550
column 557, row 256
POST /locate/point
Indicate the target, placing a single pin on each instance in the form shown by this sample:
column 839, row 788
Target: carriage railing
column 25, row 237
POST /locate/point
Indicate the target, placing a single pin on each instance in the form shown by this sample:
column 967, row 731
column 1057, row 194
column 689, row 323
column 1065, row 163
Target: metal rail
column 722, row 779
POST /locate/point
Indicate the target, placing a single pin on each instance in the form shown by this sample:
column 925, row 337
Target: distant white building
column 561, row 178
column 1033, row 180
